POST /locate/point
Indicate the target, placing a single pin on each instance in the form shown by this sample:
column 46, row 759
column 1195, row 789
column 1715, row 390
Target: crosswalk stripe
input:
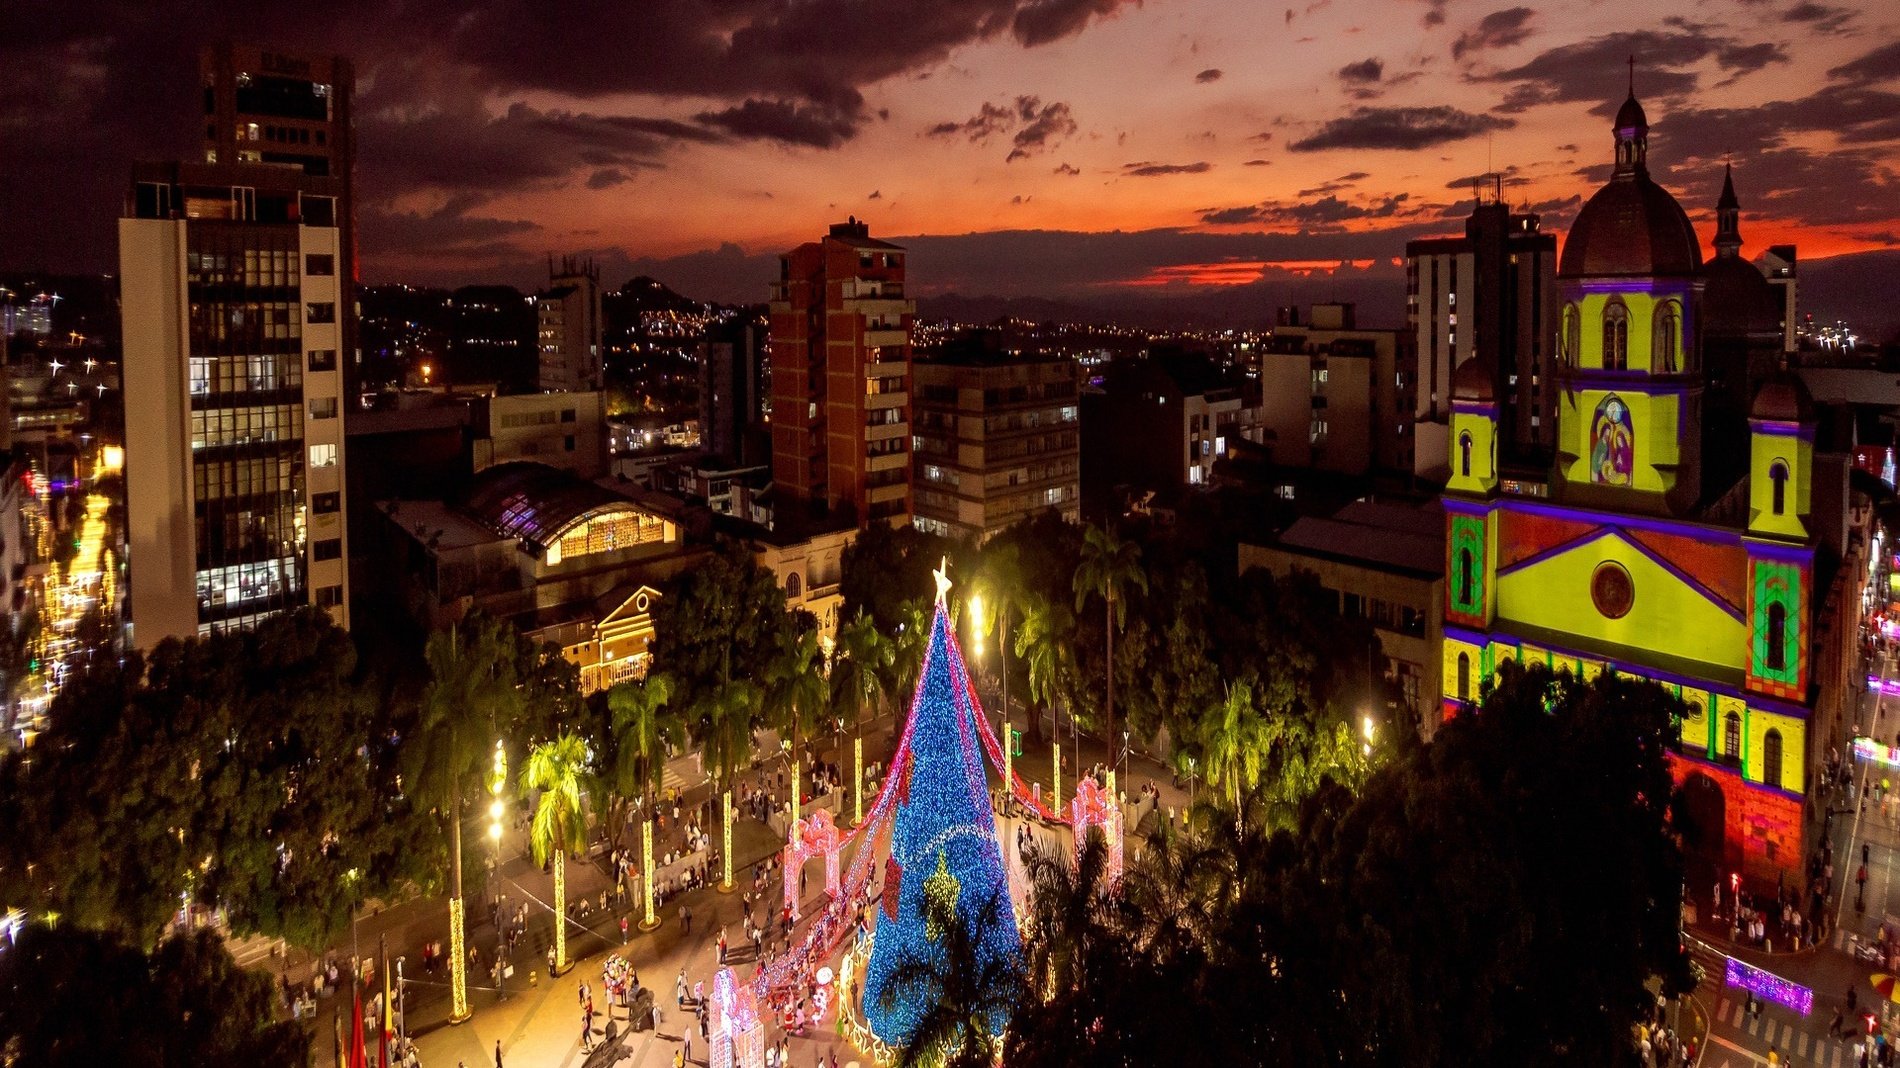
column 1803, row 1051
column 1754, row 1026
column 1721, row 1008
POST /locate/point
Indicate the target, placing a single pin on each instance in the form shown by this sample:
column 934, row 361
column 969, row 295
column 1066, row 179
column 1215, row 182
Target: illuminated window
column 1771, row 758
column 1732, row 736
column 323, row 456
column 1778, row 476
column 1667, row 336
column 1616, row 335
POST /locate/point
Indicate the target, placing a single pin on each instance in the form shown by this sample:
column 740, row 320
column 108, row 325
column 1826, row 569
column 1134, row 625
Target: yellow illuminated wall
column 1795, row 456
column 1554, row 594
column 1641, row 309
column 1793, row 746
column 1477, row 426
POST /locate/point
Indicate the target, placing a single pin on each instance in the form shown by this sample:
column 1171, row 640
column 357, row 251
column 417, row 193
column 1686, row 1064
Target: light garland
column 458, row 965
column 646, row 874
column 857, row 783
column 726, row 853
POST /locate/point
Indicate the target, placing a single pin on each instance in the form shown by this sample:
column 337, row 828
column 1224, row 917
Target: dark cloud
column 448, row 228
column 1594, row 71
column 1040, row 21
column 1155, row 170
column 876, row 194
column 1258, row 163
column 1307, row 214
column 1881, row 64
column 1499, row 29
column 1343, row 182
column 1047, row 123
column 1508, row 174
column 1407, row 128
column 1037, row 125
column 1823, row 18
column 1211, row 74
column 989, row 119
column 607, row 178
column 1364, row 72
column 1066, row 169
column 817, row 125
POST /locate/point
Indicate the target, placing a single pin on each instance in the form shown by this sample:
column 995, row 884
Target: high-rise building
column 1159, row 424
column 731, row 390
column 841, row 360
column 996, row 441
column 569, row 329
column 1491, row 294
column 237, row 301
column 1333, row 393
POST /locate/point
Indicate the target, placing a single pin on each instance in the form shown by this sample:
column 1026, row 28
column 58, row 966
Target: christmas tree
column 943, row 843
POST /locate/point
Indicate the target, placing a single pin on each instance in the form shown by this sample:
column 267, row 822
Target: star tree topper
column 943, row 579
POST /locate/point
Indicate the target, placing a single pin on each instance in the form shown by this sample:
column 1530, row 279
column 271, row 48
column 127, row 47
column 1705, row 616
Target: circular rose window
column 1612, row 590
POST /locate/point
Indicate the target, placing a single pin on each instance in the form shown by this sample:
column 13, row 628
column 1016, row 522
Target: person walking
column 722, row 945
column 686, row 920
column 498, row 1053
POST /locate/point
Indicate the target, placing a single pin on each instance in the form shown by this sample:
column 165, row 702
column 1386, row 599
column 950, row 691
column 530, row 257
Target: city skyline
column 1062, row 148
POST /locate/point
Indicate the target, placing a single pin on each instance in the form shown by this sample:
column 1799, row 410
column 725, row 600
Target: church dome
column 1632, row 226
column 1783, row 399
column 1737, row 300
column 1472, row 382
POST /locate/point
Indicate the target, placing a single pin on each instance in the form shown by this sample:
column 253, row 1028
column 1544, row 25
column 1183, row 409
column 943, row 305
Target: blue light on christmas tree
column 943, row 842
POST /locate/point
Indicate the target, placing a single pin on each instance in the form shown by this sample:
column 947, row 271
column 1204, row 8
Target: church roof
column 1631, row 115
column 1783, row 399
column 1631, row 226
column 1737, row 300
column 1472, row 382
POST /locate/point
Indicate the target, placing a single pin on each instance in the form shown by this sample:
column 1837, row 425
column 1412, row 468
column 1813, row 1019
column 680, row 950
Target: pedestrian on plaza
column 1834, row 1029
column 587, row 1033
column 623, row 930
column 498, row 1053
column 722, row 945
column 686, row 920
column 550, row 962
column 679, row 989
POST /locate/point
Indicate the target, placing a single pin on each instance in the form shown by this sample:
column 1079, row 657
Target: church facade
column 1628, row 559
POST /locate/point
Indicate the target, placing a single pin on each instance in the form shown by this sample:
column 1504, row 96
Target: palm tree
column 1234, row 741
column 908, row 646
column 1002, row 583
column 795, row 694
column 1045, row 641
column 645, row 728
column 964, row 990
column 861, row 665
column 473, row 694
column 729, row 718
column 1109, row 568
column 1072, row 911
column 556, row 769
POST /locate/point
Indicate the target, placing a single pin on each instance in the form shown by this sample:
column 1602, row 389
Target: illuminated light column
column 1111, row 782
column 646, row 874
column 1009, row 764
column 1055, row 783
column 458, row 965
column 795, row 791
column 857, row 783
column 725, row 886
column 560, row 921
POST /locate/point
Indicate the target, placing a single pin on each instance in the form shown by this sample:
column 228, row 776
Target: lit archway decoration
column 738, row 1038
column 1094, row 807
column 812, row 836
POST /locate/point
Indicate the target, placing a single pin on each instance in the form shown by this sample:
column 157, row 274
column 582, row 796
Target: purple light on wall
column 1884, row 685
column 1770, row 986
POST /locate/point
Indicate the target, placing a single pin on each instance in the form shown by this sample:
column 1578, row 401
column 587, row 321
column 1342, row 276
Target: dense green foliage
column 1498, row 895
column 73, row 998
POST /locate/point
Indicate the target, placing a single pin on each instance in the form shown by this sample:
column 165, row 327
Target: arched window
column 1616, row 335
column 791, row 584
column 1466, row 578
column 1778, row 477
column 1464, row 676
column 1573, row 335
column 1777, row 629
column 1771, row 758
column 1464, row 454
column 1667, row 338
column 1732, row 736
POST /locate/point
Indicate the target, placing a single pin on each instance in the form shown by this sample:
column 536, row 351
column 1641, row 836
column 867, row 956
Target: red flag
column 359, row 1057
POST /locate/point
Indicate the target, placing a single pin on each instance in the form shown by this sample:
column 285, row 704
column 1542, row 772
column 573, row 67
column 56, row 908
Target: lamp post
column 648, row 921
